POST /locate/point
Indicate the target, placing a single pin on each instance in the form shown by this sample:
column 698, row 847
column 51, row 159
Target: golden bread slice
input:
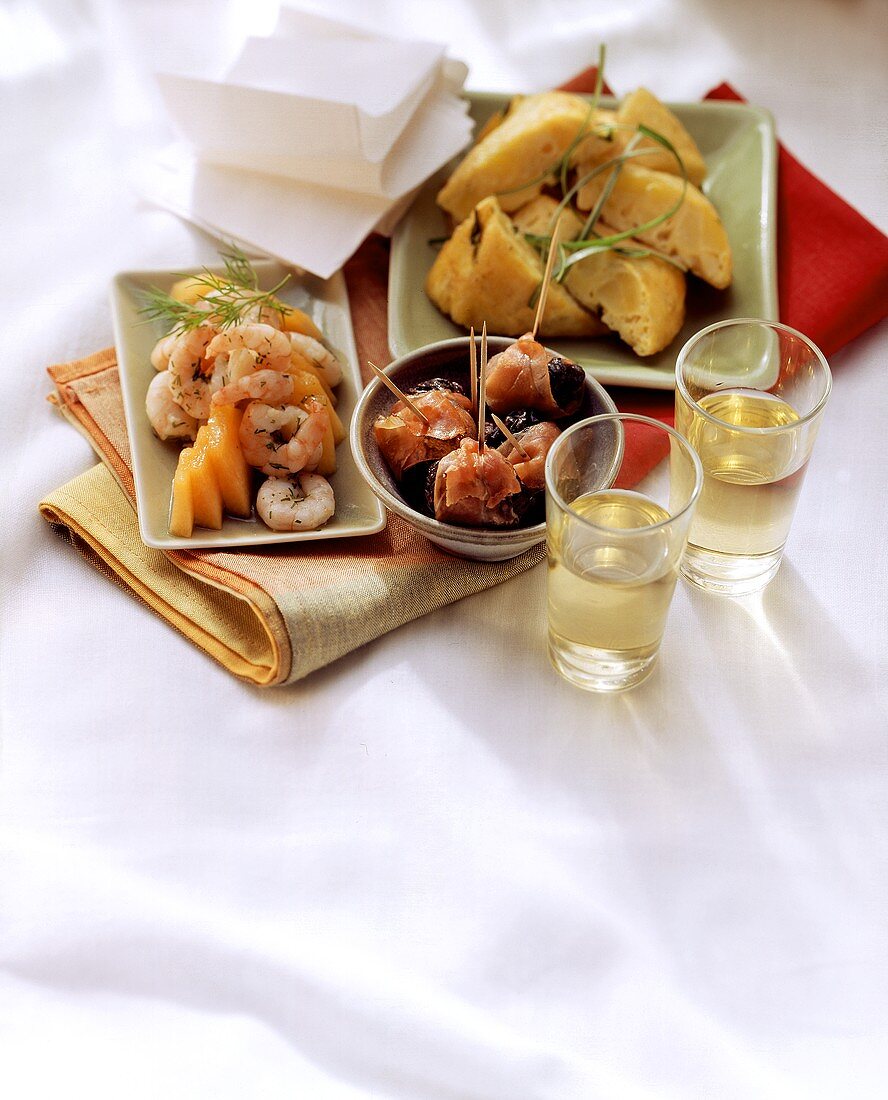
column 643, row 107
column 535, row 134
column 694, row 235
column 488, row 272
column 536, row 218
column 642, row 298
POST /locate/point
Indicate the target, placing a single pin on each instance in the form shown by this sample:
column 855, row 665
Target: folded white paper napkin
column 314, row 137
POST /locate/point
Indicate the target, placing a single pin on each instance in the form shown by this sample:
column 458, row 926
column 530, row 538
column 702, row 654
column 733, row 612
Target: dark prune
column 413, row 486
column 431, row 474
column 532, row 507
column 516, row 421
column 493, row 437
column 519, row 419
column 439, row 384
column 566, row 380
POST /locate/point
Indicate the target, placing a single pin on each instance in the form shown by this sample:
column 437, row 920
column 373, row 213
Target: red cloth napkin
column 832, row 264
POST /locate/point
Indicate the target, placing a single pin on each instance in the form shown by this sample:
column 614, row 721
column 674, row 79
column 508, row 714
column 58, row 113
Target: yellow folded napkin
column 269, row 617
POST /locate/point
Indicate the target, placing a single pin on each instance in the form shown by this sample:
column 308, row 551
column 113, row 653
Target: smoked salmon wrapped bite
column 477, row 490
column 405, row 440
column 528, row 376
column 535, row 441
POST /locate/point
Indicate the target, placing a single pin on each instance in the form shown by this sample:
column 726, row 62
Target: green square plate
column 738, row 143
column 358, row 512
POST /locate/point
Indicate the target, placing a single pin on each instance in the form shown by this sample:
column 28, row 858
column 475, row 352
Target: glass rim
column 779, row 326
column 627, row 531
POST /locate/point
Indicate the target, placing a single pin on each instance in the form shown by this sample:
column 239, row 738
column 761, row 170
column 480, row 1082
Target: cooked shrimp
column 167, row 419
column 271, row 346
column 283, row 438
column 315, row 352
column 163, row 349
column 269, row 386
column 191, row 370
column 302, row 504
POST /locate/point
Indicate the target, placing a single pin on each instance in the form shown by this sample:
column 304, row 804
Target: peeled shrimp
column 167, row 419
column 315, row 352
column 191, row 370
column 269, row 386
column 301, row 504
column 283, row 438
column 270, row 345
column 163, row 349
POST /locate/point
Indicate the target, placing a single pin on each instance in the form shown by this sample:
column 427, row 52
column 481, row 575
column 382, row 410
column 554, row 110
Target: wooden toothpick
column 511, row 438
column 473, row 369
column 386, row 381
column 547, row 276
column 482, row 389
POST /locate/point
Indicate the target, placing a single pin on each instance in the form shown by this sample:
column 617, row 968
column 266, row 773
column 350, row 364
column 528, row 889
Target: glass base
column 595, row 669
column 729, row 574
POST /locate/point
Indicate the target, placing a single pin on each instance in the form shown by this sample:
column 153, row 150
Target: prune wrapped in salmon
column 477, row 489
column 535, row 442
column 405, row 439
column 526, row 375
column 516, row 421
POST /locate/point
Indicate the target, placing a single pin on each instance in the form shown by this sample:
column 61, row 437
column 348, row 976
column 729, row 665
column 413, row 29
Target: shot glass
column 749, row 398
column 620, row 493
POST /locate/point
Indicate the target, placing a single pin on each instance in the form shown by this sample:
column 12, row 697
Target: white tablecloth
column 434, row 870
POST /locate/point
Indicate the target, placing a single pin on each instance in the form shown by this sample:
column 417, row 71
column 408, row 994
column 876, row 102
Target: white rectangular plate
column 738, row 144
column 358, row 512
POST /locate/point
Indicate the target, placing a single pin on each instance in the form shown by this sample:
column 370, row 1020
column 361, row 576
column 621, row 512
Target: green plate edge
column 738, row 142
column 358, row 512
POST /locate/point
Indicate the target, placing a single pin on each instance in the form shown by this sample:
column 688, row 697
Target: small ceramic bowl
column 445, row 359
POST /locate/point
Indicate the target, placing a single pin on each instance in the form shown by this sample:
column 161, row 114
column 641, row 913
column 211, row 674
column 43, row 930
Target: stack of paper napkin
column 315, row 136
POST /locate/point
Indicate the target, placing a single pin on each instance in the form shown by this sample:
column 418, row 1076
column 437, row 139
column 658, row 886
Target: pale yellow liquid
column 751, row 481
column 611, row 594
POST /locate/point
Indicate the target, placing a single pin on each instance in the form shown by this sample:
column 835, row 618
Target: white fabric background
column 434, row 870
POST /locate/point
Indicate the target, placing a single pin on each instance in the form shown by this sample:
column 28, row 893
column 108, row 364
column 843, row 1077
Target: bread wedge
column 642, row 298
column 487, row 272
column 535, row 133
column 693, row 235
column 536, row 218
column 643, row 107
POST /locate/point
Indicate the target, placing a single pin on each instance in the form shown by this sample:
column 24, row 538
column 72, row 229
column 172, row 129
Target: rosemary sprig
column 593, row 104
column 584, row 246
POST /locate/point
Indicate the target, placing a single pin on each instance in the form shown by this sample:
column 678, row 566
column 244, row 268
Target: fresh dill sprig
column 176, row 316
column 238, row 268
column 229, row 297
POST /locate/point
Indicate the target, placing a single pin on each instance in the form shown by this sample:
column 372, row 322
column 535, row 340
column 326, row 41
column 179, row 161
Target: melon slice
column 307, row 383
column 295, row 320
column 230, row 467
column 182, row 510
column 299, row 362
column 205, row 492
